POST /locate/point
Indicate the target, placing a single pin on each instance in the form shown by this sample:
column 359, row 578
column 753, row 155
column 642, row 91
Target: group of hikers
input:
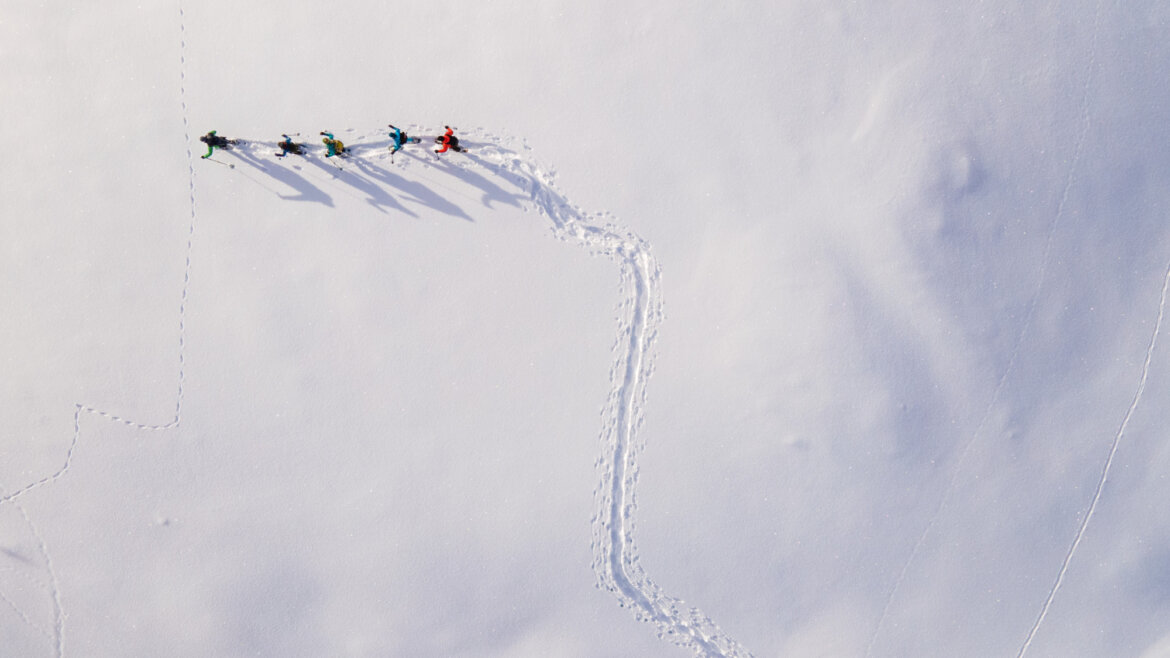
column 334, row 146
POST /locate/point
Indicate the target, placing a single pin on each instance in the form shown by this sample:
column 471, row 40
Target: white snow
column 795, row 328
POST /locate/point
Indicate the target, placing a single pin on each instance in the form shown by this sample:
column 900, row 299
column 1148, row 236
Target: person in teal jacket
column 333, row 144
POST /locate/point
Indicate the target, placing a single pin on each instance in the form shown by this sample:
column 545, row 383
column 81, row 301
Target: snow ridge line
column 615, row 554
column 1076, row 542
column 1029, row 316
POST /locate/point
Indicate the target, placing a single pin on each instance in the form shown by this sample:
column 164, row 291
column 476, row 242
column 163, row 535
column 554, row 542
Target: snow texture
column 906, row 400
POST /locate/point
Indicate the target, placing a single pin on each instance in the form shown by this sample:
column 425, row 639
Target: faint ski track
column 1137, row 398
column 58, row 611
column 1045, row 261
column 52, row 586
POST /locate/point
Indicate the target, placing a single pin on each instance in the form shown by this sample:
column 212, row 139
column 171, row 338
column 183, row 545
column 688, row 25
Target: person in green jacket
column 214, row 141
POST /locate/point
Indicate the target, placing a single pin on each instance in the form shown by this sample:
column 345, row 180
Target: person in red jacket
column 449, row 141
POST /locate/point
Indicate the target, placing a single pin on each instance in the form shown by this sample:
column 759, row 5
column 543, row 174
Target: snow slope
column 488, row 179
column 900, row 285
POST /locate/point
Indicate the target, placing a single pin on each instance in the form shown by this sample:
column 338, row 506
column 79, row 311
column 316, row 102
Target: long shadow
column 376, row 196
column 416, row 191
column 491, row 191
column 307, row 191
column 362, row 151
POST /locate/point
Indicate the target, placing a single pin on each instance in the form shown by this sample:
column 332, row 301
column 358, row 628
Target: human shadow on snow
column 415, row 191
column 306, row 190
column 376, row 195
column 491, row 191
column 375, row 181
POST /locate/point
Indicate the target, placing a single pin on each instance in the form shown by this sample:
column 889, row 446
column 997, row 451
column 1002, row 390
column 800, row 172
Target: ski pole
column 228, row 165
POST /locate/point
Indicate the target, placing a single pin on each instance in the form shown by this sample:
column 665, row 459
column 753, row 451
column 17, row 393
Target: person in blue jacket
column 289, row 146
column 400, row 139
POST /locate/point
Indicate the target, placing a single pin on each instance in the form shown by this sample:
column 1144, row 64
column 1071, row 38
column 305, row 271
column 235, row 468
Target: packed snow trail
column 615, row 553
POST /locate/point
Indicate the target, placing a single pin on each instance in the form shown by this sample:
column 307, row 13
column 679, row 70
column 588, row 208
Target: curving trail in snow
column 615, row 553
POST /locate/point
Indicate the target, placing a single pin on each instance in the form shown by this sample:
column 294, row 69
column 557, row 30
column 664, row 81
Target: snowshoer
column 289, row 146
column 400, row 139
column 449, row 141
column 334, row 145
column 214, row 141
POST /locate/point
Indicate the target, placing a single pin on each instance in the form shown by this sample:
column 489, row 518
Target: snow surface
column 796, row 328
